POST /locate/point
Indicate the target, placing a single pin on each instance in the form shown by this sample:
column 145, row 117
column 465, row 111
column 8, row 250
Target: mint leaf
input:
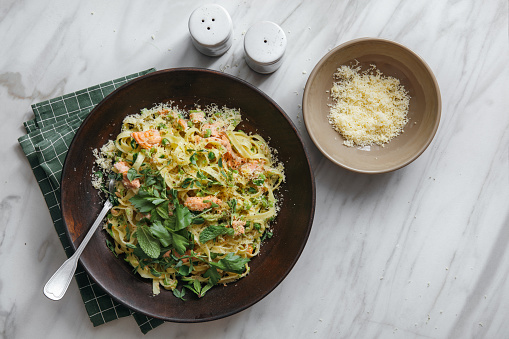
column 213, row 231
column 184, row 217
column 140, row 253
column 231, row 263
column 198, row 220
column 148, row 243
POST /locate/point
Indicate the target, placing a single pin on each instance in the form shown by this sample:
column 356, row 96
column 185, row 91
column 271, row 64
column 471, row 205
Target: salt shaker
column 211, row 29
column 264, row 47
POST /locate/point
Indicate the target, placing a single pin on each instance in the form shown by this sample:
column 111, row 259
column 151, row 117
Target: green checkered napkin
column 48, row 138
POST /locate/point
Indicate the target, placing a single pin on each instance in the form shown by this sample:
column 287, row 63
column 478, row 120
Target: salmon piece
column 198, row 204
column 131, row 184
column 148, row 215
column 166, row 111
column 251, row 168
column 215, row 129
column 147, row 139
column 122, row 167
column 197, row 117
column 223, row 140
column 238, row 226
column 230, row 156
column 211, row 139
column 226, row 143
column 183, row 123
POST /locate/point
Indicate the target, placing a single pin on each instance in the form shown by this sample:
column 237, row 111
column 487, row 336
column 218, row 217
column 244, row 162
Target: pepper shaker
column 211, row 29
column 264, row 47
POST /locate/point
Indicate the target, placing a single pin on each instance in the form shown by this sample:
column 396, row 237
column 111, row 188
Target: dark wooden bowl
column 187, row 86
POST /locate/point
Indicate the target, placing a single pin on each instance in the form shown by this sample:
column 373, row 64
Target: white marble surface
column 417, row 253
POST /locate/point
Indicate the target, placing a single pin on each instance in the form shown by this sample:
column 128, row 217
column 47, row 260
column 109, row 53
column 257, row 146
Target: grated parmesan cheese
column 103, row 158
column 369, row 108
column 96, row 182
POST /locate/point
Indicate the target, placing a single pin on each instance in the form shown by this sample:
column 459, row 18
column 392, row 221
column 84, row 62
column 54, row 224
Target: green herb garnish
column 213, row 232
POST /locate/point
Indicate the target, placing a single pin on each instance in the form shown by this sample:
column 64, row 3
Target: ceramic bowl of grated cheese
column 371, row 105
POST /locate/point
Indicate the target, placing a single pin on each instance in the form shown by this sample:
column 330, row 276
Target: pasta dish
column 194, row 196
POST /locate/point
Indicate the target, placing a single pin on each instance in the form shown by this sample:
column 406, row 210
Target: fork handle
column 57, row 285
